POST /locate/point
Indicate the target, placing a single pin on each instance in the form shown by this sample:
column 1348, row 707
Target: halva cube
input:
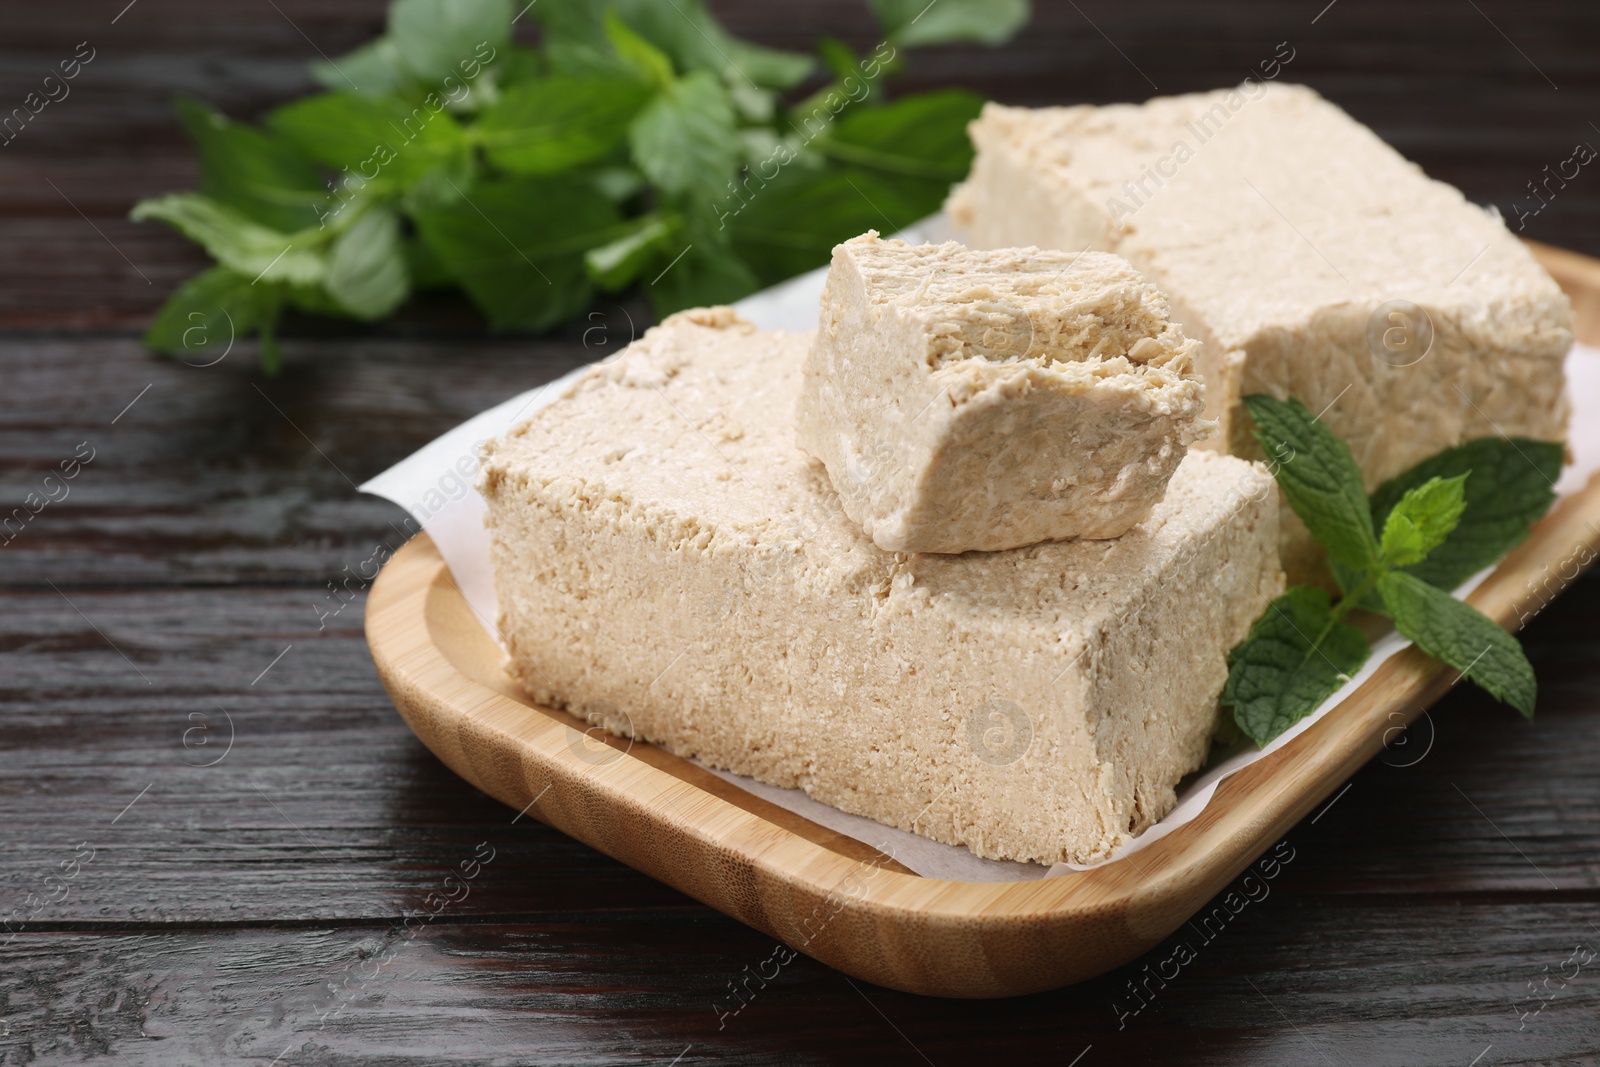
column 965, row 400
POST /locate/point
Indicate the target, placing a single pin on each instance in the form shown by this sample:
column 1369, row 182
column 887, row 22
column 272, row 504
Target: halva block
column 1309, row 257
column 965, row 400
column 671, row 567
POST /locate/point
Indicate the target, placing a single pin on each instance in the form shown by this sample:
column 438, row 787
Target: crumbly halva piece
column 965, row 400
column 670, row 566
column 1310, row 258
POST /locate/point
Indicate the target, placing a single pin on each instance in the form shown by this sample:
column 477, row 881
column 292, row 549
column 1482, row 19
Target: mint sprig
column 1436, row 525
column 1510, row 484
column 639, row 144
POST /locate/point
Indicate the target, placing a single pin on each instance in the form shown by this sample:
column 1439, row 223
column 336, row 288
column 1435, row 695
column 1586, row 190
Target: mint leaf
column 912, row 23
column 373, row 68
column 705, row 275
column 521, row 64
column 923, row 136
column 367, row 269
column 615, row 265
column 1297, row 654
column 688, row 32
column 853, row 75
column 685, row 141
column 580, row 59
column 201, row 321
column 440, row 38
column 618, row 183
column 1454, row 632
column 1508, row 488
column 425, row 268
column 753, row 104
column 261, row 176
column 790, row 224
column 376, row 139
column 1319, row 479
column 245, row 247
column 516, row 245
column 856, row 81
column 651, row 64
column 558, row 123
column 440, row 186
column 316, row 300
column 576, row 42
column 1422, row 520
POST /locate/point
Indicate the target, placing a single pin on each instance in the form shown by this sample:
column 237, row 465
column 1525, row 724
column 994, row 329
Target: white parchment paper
column 429, row 484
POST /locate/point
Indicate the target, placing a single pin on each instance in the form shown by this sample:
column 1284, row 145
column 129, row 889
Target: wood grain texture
column 1404, row 932
column 610, row 989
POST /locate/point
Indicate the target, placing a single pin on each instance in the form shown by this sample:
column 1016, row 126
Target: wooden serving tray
column 841, row 901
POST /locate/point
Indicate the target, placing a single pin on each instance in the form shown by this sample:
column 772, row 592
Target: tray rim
column 1110, row 914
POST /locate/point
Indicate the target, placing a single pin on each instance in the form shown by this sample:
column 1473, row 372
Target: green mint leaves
column 233, row 240
column 1440, row 522
column 686, row 141
column 1454, row 633
column 429, row 44
column 1319, row 478
column 517, row 246
column 640, row 144
column 367, row 266
column 432, row 37
column 1508, row 488
column 1422, row 521
column 916, row 22
column 1296, row 654
column 259, row 176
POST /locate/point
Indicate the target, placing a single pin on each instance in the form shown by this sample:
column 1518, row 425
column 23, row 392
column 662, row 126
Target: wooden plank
column 323, row 806
column 217, row 475
column 1434, row 984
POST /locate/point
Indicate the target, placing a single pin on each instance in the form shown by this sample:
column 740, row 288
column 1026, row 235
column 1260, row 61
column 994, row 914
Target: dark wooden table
column 228, row 904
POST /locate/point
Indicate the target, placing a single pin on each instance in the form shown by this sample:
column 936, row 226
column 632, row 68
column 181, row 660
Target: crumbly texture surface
column 670, row 566
column 964, row 400
column 1281, row 229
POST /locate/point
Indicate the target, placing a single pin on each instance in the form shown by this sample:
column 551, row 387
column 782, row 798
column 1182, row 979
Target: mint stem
column 1341, row 609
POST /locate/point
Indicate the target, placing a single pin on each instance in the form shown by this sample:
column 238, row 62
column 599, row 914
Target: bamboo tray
column 841, row 901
